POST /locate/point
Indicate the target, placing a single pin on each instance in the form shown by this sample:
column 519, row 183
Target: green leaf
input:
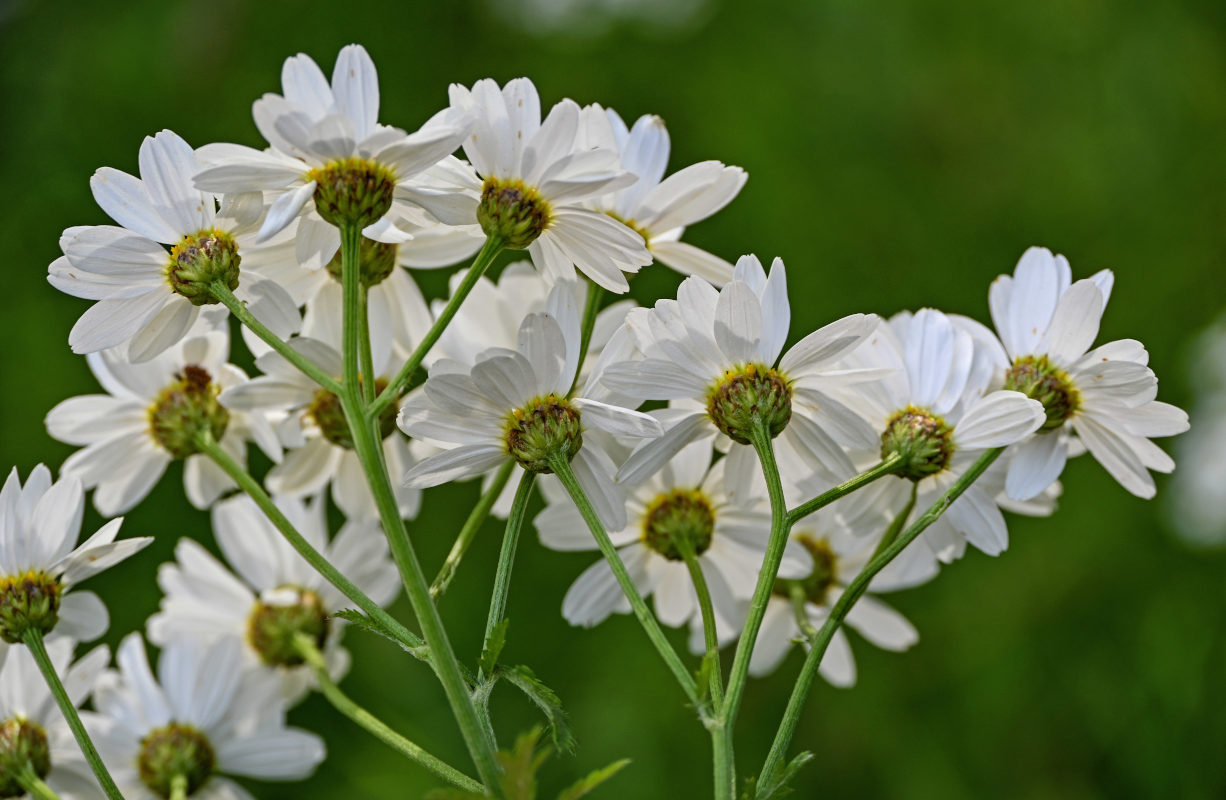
column 776, row 786
column 546, row 700
column 493, row 647
column 453, row 794
column 520, row 765
column 593, row 780
column 703, row 676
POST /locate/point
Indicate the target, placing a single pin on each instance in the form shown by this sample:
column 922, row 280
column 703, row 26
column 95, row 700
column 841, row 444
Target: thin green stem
column 897, row 524
column 364, row 351
column 493, row 246
column 591, row 310
column 353, row 313
column 561, row 468
column 178, row 787
column 506, row 560
column 800, row 599
column 34, row 641
column 469, row 531
column 856, row 589
column 889, row 465
column 34, row 785
column 301, row 362
column 375, row 726
column 209, row 447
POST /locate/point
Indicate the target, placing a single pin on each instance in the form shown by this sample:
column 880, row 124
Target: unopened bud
column 676, row 519
column 353, row 191
column 186, row 409
column 276, row 621
column 547, row 427
column 922, row 439
column 513, row 212
column 199, row 260
column 175, row 751
column 747, row 395
column 30, row 601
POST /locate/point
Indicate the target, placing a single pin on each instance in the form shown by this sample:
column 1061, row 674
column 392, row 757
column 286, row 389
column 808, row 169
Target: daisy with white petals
column 530, row 182
column 275, row 594
column 1105, row 397
column 152, row 414
column 150, row 296
column 204, row 717
column 39, row 524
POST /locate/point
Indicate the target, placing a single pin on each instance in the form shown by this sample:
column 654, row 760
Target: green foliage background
column 900, row 154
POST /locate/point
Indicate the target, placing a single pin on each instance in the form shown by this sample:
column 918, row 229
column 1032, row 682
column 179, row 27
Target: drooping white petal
column 1037, row 463
column 998, row 419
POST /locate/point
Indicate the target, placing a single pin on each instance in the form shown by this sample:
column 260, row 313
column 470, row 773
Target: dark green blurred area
column 900, row 155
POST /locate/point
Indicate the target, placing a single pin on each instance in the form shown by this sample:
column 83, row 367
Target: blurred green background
column 900, row 154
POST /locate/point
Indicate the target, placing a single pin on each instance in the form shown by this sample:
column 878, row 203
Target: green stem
column 493, row 246
column 342, row 703
column 178, row 787
column 364, row 351
column 301, row 362
column 856, row 589
column 591, row 310
column 897, row 524
column 369, row 451
column 506, row 560
column 800, row 599
column 34, row 641
column 34, row 785
column 888, row 466
column 561, row 468
column 469, row 532
column 209, row 447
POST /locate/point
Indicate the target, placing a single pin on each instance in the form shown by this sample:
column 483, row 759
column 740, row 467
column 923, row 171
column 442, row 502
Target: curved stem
column 493, row 246
column 506, row 561
column 381, row 731
column 34, row 785
column 33, row 639
column 301, row 362
column 856, row 589
column 888, row 466
column 469, row 531
column 591, row 310
column 561, row 468
column 721, row 740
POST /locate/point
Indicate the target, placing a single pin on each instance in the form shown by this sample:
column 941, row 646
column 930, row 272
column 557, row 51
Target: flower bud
column 185, row 409
column 23, row 745
column 278, row 618
column 745, row 395
column 922, row 439
column 30, row 601
column 199, row 260
column 513, row 212
column 682, row 516
column 546, row 427
column 175, row 750
column 376, row 262
column 353, row 191
column 1039, row 379
column 327, row 412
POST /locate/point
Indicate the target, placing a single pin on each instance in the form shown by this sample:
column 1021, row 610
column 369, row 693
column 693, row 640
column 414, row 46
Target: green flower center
column 328, row 413
column 175, row 751
column 353, row 191
column 23, row 745
column 30, row 601
column 512, row 211
column 922, row 439
column 273, row 627
column 185, row 409
column 198, row 260
column 545, row 427
column 824, row 575
column 376, row 262
column 677, row 518
column 1039, row 379
column 747, row 394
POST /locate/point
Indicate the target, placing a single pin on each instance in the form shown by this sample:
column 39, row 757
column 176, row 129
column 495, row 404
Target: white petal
column 126, row 200
column 355, row 86
column 616, row 420
column 998, row 419
column 284, row 209
column 167, row 165
column 651, row 456
column 690, row 260
column 738, row 323
column 828, row 343
column 455, row 464
column 1037, row 464
column 1074, row 325
column 286, row 754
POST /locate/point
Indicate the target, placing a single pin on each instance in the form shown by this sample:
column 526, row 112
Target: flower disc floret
column 186, row 409
column 23, row 745
column 175, row 750
column 199, row 260
column 1039, row 379
column 273, row 628
column 825, row 571
column 327, row 412
column 923, row 439
column 30, row 601
column 546, row 427
column 376, row 262
column 746, row 395
column 353, row 191
column 513, row 212
column 678, row 517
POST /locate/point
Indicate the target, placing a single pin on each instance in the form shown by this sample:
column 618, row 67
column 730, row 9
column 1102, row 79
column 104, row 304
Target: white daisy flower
column 276, row 594
column 327, row 145
column 660, row 208
column 714, row 353
column 528, row 182
column 1105, row 396
column 314, row 431
column 150, row 415
column 518, row 404
column 31, row 720
column 39, row 524
column 204, row 717
column 149, row 297
column 934, row 409
column 717, row 514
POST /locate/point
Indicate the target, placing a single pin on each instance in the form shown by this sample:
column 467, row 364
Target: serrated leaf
column 520, row 765
column 592, row 780
column 546, row 700
column 776, row 786
column 493, row 647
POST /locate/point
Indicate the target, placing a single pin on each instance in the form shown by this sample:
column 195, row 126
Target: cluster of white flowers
column 712, row 465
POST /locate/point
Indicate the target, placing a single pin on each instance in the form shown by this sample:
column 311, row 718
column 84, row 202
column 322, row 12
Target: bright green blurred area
column 900, row 155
